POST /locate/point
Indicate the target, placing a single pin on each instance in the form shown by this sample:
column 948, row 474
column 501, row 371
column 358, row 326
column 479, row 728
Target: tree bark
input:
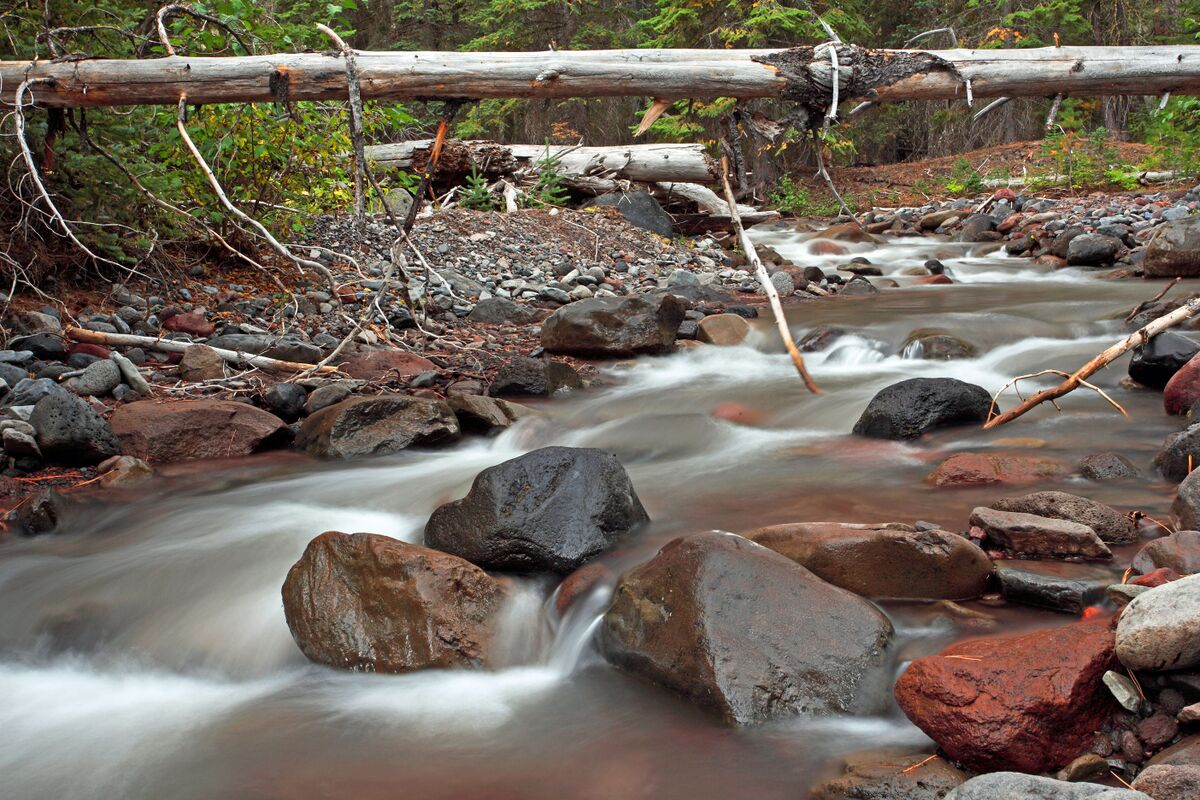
column 799, row 73
column 170, row 346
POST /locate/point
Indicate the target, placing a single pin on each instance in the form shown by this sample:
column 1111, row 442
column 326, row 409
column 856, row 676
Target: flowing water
column 144, row 653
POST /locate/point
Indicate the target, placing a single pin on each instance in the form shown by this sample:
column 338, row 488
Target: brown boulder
column 365, row 426
column 201, row 363
column 723, row 329
column 848, row 232
column 480, row 414
column 1183, row 389
column 379, row 365
column 1169, row 782
column 1180, row 552
column 194, row 429
column 746, row 632
column 1026, row 702
column 982, row 469
column 368, row 602
column 189, row 323
column 891, row 560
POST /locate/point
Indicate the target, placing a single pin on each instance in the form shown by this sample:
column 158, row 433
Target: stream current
column 144, row 653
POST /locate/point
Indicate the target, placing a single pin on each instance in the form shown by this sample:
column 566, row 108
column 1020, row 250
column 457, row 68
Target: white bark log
column 170, row 346
column 664, row 74
column 709, row 203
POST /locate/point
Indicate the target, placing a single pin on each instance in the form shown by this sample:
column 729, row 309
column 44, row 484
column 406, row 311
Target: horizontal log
column 640, row 162
column 171, row 346
column 799, row 73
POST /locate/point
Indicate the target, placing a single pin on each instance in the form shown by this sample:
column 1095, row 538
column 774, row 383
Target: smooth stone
column 1019, row 786
column 1055, row 585
column 1108, row 523
column 1160, row 629
column 1031, row 535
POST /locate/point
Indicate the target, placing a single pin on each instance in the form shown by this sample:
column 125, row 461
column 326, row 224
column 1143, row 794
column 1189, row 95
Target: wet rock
column 1039, row 537
column 614, row 326
column 260, row 344
column 738, row 414
column 1107, row 467
column 907, row 409
column 1108, row 523
column 1183, row 389
column 640, row 209
column 858, row 287
column 1179, row 552
column 502, row 311
column 124, row 471
column 39, row 514
column 201, row 363
column 1086, row 767
column 1160, row 629
column 1154, row 363
column 848, row 232
column 1185, row 511
column 723, row 329
column 191, row 324
column 98, row 380
column 1157, row 730
column 722, row 621
column 286, row 401
column 1092, row 250
column 194, row 429
column 69, row 431
column 982, row 469
column 532, row 377
column 1018, row 786
column 1165, row 782
column 891, row 775
column 1179, row 454
column 369, row 426
column 549, row 510
column 325, row 396
column 44, row 346
column 1174, row 250
column 486, row 415
column 935, row 345
column 892, row 560
column 373, row 603
column 1057, row 586
column 383, row 365
column 819, row 338
column 1027, row 702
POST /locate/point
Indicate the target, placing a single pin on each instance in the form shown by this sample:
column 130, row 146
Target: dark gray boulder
column 69, row 431
column 907, row 409
column 530, row 376
column 286, row 401
column 1154, row 363
column 1174, row 250
column 614, row 326
column 502, row 311
column 549, row 510
column 640, row 209
column 1092, row 250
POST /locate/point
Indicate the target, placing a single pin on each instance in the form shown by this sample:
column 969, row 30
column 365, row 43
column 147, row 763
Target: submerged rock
column 365, row 426
column 1107, row 467
column 735, row 627
column 892, row 560
column 1028, row 702
column 1108, row 523
column 982, row 469
column 936, row 345
column 1055, row 585
column 614, row 326
column 373, row 603
column 907, row 409
column 552, row 509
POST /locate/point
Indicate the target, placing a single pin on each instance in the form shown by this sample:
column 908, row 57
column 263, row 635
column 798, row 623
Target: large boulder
column 1160, row 629
column 371, row 426
column 384, row 365
column 1108, row 523
column 889, row 560
column 1039, row 537
column 1179, row 552
column 1183, row 389
column 1019, row 786
column 614, row 326
column 1174, row 250
column 69, row 431
column 747, row 633
column 907, row 409
column 1028, row 702
column 368, row 602
column 1092, row 250
column 891, row 775
column 549, row 510
column 194, row 429
column 640, row 209
column 1156, row 362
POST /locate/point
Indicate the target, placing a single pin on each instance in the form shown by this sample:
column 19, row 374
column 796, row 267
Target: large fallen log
column 171, row 346
column 799, row 73
column 649, row 163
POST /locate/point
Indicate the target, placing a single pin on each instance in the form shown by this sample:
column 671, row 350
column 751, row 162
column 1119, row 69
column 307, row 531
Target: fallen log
column 802, row 74
column 170, row 346
column 709, row 203
column 647, row 163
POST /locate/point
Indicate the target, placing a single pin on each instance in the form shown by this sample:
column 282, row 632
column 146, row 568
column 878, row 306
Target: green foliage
column 476, row 194
column 794, row 198
column 548, row 190
column 964, row 178
column 1082, row 160
column 1175, row 134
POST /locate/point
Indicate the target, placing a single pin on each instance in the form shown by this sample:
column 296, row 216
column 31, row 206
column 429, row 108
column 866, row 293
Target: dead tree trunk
column 799, row 73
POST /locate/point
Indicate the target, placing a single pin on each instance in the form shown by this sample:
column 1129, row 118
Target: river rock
column 98, row 379
column 728, row 623
column 891, row 775
column 1108, row 523
column 326, row 396
column 1156, row 362
column 370, row 426
column 189, row 323
column 530, row 377
column 982, row 469
column 1174, row 250
column 1185, row 511
column 614, row 326
column 1028, row 702
column 1179, row 552
column 478, row 414
column 502, row 311
column 39, row 513
column 1160, row 629
column 261, row 344
column 1039, row 537
column 819, row 338
column 549, row 510
column 1183, row 389
column 69, row 431
column 368, row 602
column 1018, row 786
column 1169, row 782
column 907, row 409
column 1180, row 453
column 892, row 560
column 286, row 400
column 1057, row 586
column 936, row 345
column 120, row 472
column 723, row 329
column 383, row 365
column 200, row 363
column 193, row 429
column 640, row 209
column 1093, row 250
column 44, row 346
column 1107, row 467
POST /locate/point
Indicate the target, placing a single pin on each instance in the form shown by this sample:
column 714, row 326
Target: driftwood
column 708, row 202
column 802, row 74
column 169, row 346
column 1079, row 377
column 643, row 162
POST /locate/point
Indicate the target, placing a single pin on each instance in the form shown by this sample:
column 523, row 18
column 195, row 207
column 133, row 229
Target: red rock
column 1050, row 262
column 933, row 280
column 1004, row 193
column 1157, row 578
column 982, row 469
column 1183, row 388
column 186, row 430
column 1010, row 222
column 579, row 583
column 191, row 324
column 823, row 247
column 1028, row 702
column 346, row 295
column 97, row 350
column 376, row 365
column 738, row 414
